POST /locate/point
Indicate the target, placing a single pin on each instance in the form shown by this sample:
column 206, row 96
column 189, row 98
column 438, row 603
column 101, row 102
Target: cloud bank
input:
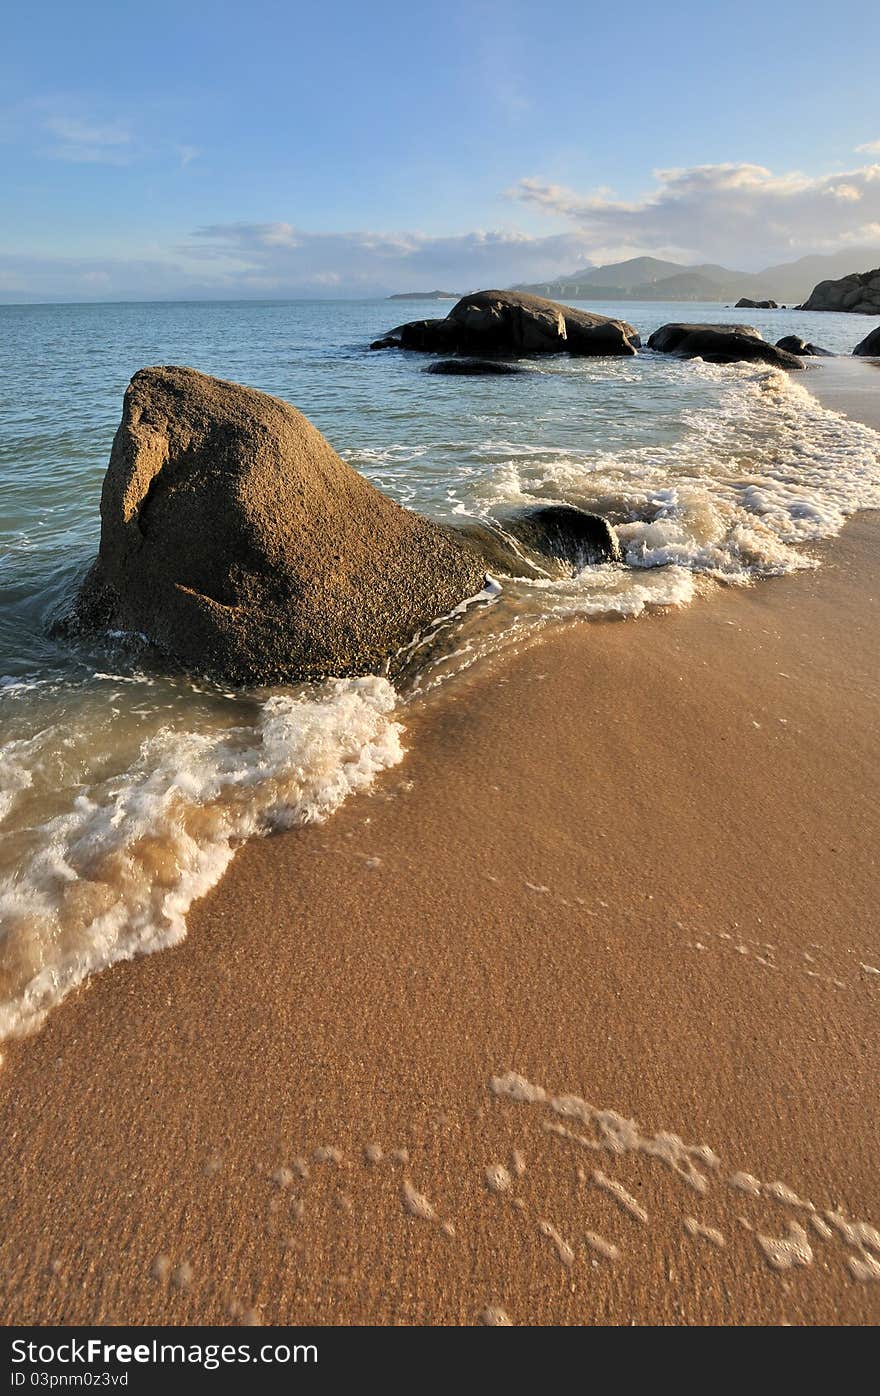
column 726, row 213
column 742, row 215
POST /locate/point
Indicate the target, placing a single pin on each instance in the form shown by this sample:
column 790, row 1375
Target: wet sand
column 635, row 862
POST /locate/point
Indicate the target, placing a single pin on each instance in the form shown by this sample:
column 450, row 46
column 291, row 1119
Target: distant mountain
column 650, row 279
column 425, row 296
column 795, row 280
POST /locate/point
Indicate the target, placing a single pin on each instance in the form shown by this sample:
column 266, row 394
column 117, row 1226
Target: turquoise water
column 123, row 792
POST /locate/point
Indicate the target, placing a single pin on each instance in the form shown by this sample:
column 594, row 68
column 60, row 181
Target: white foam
column 620, row 1194
column 706, row 1233
column 746, row 482
column 784, row 1253
column 115, row 873
column 558, row 1241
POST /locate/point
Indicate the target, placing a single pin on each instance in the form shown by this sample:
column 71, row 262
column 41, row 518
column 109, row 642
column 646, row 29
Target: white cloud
column 869, row 148
column 87, row 142
column 370, row 263
column 732, row 213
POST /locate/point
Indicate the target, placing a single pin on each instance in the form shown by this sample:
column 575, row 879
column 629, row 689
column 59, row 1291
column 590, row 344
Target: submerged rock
column 568, row 534
column 720, row 344
column 523, row 543
column 235, row 538
column 870, row 345
column 858, row 293
column 514, row 322
column 473, row 368
column 793, row 344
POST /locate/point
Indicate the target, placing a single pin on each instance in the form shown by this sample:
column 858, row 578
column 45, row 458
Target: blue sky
column 271, row 149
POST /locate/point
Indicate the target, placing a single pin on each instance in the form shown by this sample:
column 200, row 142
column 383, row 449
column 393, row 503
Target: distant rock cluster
column 511, row 322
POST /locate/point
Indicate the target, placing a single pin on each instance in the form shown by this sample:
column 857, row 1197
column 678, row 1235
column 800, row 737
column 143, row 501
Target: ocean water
column 124, row 792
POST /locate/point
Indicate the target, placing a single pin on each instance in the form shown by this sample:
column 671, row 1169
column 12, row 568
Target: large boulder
column 235, row 539
column 720, row 344
column 745, row 304
column 870, row 345
column 858, row 293
column 793, row 344
column 512, row 322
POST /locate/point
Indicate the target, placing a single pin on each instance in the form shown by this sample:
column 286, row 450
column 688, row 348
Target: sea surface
column 124, row 792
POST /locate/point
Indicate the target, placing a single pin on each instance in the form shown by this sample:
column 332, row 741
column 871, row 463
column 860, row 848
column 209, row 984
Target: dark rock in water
column 720, row 344
column 242, row 546
column 513, row 322
column 387, row 343
column 669, row 338
column 568, row 534
column 745, row 304
column 870, row 345
column 428, row 336
column 793, row 344
column 858, row 293
column 524, row 543
column 472, row 367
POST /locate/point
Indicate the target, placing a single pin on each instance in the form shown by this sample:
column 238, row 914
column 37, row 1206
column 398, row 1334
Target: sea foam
column 114, row 874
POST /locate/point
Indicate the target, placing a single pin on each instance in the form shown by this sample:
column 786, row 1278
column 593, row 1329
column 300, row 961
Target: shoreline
column 588, row 900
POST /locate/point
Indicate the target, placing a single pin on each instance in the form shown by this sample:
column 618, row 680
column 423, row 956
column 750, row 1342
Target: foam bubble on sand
column 781, row 1192
column 497, row 1178
column 517, row 1088
column 597, row 1243
column 864, row 1267
column 855, row 1233
column 706, row 1233
column 114, row 876
column 784, row 1253
column 559, row 1243
column 328, row 1153
column 625, row 1199
column 614, row 1132
column 416, row 1203
column 746, row 1182
column 619, row 1135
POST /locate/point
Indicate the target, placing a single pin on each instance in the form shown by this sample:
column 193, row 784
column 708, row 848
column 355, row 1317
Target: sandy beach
column 632, row 863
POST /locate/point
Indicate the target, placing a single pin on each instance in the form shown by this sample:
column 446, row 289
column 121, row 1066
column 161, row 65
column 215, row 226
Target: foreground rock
column 858, row 293
column 240, row 544
column 870, row 345
column 793, row 344
column 512, row 322
column 473, row 368
column 745, row 304
column 720, row 344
